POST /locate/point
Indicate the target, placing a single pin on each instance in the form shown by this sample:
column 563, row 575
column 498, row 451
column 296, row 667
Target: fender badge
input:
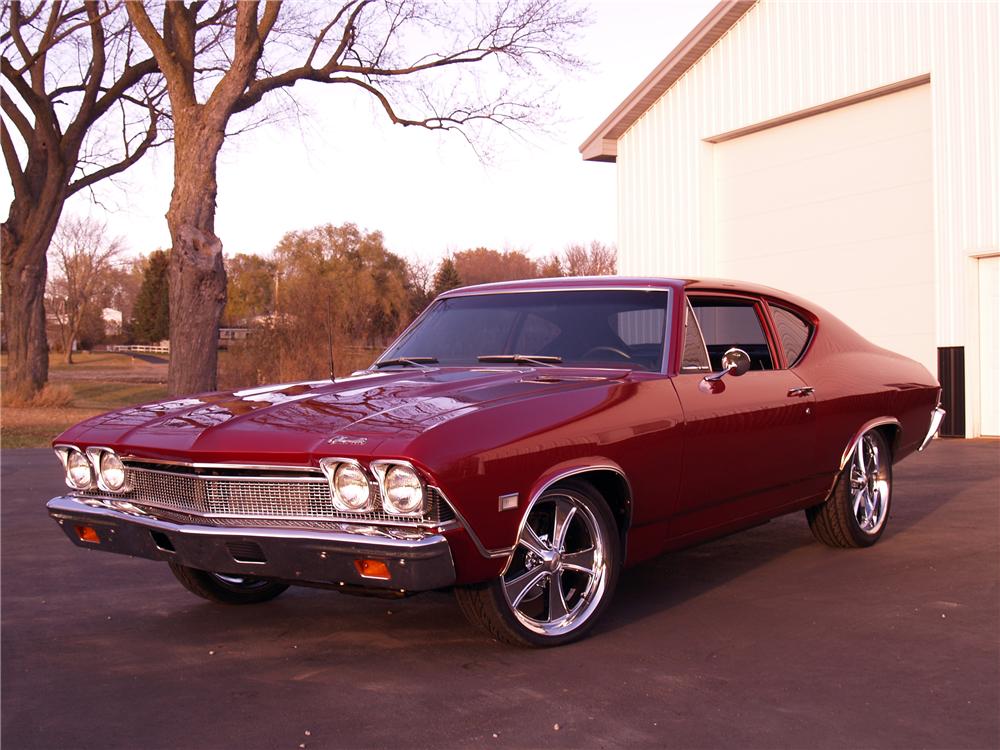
column 344, row 440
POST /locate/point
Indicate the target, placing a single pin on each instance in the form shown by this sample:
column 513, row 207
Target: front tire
column 223, row 588
column 857, row 510
column 561, row 575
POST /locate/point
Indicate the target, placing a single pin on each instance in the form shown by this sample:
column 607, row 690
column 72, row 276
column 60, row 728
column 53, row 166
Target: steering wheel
column 610, row 349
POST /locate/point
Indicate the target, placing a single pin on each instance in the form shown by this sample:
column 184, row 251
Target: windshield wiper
column 535, row 359
column 407, row 362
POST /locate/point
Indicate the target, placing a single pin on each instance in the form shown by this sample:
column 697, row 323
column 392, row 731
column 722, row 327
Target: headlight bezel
column 65, row 453
column 382, row 469
column 330, row 468
column 96, row 455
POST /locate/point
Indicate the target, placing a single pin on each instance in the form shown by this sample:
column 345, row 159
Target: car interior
column 726, row 323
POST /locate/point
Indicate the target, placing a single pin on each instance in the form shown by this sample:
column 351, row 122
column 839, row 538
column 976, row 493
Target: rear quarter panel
column 857, row 382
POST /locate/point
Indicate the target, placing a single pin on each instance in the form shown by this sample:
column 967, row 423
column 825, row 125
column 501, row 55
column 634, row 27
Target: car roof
column 628, row 282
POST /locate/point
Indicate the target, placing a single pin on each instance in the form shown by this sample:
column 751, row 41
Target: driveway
column 764, row 639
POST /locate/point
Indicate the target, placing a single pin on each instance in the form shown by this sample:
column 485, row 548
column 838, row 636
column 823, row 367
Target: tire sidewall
column 581, row 492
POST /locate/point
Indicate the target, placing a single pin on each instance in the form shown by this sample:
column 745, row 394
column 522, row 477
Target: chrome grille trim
column 271, row 493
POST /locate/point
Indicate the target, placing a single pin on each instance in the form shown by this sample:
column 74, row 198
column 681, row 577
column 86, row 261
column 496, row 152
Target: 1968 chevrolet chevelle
column 520, row 443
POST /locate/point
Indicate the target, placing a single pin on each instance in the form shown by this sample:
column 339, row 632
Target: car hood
column 351, row 415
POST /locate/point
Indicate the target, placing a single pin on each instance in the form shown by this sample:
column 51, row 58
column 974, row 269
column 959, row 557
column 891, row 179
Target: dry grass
column 35, row 425
column 89, row 360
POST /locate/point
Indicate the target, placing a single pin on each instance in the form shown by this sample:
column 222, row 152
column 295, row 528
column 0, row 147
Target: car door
column 748, row 440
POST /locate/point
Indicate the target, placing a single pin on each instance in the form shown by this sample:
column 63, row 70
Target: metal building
column 845, row 151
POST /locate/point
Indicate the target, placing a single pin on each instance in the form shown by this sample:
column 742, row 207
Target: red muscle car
column 520, row 443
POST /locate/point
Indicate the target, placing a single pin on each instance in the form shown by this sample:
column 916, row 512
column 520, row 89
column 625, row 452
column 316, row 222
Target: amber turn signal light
column 87, row 534
column 373, row 569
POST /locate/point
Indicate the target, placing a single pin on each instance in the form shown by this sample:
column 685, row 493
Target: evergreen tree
column 446, row 277
column 151, row 316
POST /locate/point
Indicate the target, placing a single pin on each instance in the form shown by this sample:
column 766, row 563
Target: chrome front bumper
column 936, row 416
column 307, row 555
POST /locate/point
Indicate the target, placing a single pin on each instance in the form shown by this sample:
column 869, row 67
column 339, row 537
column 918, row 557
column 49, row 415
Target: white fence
column 142, row 348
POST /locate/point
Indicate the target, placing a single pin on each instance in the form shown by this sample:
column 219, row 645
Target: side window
column 694, row 356
column 728, row 322
column 793, row 331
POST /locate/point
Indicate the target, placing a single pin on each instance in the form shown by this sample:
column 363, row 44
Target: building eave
column 602, row 144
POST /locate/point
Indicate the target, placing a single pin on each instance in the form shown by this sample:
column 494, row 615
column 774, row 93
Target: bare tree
column 403, row 53
column 597, row 259
column 74, row 74
column 84, row 257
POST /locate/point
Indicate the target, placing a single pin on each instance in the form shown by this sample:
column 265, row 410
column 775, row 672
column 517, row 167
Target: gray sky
column 427, row 192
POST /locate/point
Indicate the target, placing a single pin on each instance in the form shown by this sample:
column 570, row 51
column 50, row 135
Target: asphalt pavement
column 764, row 639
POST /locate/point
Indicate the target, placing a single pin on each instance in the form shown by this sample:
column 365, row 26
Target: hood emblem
column 345, row 440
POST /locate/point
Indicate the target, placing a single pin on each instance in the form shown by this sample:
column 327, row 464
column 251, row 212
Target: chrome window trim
column 774, row 302
column 689, row 310
column 581, row 288
column 667, row 316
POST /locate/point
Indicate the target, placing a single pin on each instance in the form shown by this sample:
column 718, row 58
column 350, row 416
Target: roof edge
column 602, row 144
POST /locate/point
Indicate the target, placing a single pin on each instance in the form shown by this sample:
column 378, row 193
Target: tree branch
column 17, row 178
column 123, row 164
column 173, row 70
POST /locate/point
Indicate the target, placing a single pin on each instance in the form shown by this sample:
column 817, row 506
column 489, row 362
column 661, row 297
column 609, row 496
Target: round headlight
column 112, row 471
column 352, row 490
column 403, row 491
column 79, row 475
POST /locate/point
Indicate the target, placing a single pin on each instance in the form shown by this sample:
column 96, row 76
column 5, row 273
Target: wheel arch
column 888, row 426
column 605, row 476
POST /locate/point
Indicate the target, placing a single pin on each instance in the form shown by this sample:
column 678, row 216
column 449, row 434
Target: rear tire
column 223, row 588
column 561, row 576
column 856, row 513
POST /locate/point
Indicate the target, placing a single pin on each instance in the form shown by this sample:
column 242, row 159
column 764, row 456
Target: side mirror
column 735, row 362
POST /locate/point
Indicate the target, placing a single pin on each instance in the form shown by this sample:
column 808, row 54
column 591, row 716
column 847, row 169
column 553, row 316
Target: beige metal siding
column 989, row 352
column 785, row 57
column 838, row 207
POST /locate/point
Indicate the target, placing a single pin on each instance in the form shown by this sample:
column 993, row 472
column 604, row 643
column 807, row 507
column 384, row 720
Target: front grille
column 278, row 495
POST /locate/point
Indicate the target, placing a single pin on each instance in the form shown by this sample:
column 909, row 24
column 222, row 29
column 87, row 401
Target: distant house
column 229, row 336
column 846, row 152
column 112, row 321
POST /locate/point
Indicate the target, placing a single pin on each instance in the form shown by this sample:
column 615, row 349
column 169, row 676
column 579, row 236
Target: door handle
column 803, row 391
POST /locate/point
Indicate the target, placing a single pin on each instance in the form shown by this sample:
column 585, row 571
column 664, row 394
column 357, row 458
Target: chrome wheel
column 558, row 573
column 869, row 485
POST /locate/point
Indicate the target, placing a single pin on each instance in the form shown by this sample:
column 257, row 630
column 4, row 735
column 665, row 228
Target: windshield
column 600, row 328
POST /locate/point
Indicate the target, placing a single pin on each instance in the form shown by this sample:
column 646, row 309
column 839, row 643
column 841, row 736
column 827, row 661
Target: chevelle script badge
column 344, row 440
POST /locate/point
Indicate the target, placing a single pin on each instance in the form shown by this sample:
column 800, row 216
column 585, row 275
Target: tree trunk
column 197, row 276
column 23, row 298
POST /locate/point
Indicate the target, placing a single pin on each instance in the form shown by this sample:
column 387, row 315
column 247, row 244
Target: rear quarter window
column 793, row 330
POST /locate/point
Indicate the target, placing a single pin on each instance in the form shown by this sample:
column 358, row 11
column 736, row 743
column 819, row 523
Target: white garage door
column 836, row 207
column 989, row 345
